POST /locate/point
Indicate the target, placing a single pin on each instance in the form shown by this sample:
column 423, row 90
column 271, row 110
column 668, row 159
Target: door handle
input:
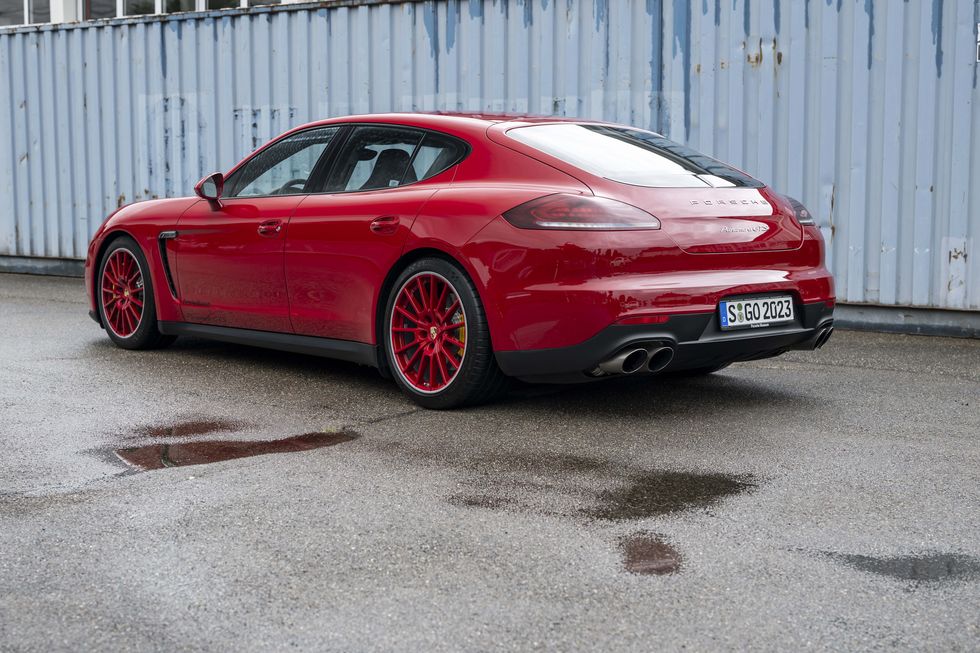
column 270, row 227
column 385, row 225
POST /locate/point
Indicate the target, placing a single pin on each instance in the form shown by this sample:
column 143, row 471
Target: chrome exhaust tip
column 660, row 358
column 627, row 361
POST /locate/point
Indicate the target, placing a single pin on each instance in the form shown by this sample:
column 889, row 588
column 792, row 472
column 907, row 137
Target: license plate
column 755, row 313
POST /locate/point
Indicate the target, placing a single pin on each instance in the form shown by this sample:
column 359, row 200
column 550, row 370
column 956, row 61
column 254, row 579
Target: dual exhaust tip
column 823, row 337
column 655, row 357
column 634, row 359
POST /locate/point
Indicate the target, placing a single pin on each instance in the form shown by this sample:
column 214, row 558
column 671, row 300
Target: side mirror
column 210, row 187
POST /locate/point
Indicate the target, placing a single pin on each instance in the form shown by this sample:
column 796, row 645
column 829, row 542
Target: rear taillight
column 803, row 216
column 567, row 211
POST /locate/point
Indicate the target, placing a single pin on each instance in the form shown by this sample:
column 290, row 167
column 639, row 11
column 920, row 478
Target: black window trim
column 324, row 166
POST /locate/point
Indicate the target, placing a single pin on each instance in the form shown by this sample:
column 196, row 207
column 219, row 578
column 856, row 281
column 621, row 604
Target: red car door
column 229, row 263
column 228, row 257
column 342, row 242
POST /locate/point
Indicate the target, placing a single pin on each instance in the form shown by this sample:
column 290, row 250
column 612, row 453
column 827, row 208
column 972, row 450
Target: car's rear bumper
column 696, row 339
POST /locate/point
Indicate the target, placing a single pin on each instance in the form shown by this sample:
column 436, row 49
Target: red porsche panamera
column 455, row 251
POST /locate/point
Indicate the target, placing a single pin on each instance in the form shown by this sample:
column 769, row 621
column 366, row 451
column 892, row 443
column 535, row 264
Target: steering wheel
column 296, row 185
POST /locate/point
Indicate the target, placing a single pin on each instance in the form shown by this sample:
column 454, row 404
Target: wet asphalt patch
column 662, row 492
column 563, row 486
column 630, row 495
column 649, row 554
column 202, row 452
column 925, row 567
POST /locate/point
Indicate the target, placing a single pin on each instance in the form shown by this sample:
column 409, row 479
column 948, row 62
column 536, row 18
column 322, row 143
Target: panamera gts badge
column 758, row 228
column 719, row 202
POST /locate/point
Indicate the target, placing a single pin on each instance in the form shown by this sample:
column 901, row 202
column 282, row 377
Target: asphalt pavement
column 218, row 497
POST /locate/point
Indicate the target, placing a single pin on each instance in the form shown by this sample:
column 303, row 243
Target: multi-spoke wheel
column 437, row 340
column 428, row 332
column 122, row 292
column 125, row 294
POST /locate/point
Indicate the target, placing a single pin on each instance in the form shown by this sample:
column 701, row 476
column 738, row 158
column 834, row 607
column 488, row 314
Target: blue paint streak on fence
column 452, row 21
column 682, row 44
column 869, row 8
column 163, row 63
column 600, row 11
column 528, row 12
column 655, row 11
column 432, row 29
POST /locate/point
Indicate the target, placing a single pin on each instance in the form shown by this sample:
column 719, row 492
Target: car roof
column 451, row 116
column 460, row 122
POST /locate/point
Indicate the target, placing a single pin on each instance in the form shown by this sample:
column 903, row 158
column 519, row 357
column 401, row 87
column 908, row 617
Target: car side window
column 374, row 157
column 386, row 156
column 436, row 153
column 283, row 168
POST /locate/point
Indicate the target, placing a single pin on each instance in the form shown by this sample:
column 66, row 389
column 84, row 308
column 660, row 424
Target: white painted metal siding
column 865, row 110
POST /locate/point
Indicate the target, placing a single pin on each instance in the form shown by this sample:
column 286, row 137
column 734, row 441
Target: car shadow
column 661, row 396
column 649, row 396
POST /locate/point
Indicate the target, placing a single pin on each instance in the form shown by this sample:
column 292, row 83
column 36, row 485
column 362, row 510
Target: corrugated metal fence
column 866, row 110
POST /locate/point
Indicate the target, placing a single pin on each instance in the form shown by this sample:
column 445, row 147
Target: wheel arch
column 154, row 266
column 110, row 238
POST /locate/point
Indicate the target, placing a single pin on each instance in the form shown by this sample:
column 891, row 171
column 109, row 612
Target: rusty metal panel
column 865, row 110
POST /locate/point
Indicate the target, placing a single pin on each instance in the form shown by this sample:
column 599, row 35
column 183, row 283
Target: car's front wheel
column 125, row 297
column 436, row 338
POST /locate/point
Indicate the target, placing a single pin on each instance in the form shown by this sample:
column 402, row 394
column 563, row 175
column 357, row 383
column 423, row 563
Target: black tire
column 479, row 379
column 147, row 334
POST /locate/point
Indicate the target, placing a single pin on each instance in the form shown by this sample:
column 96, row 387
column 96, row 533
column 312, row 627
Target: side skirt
column 346, row 350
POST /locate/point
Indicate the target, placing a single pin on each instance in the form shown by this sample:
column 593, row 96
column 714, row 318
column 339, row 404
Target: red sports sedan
column 453, row 252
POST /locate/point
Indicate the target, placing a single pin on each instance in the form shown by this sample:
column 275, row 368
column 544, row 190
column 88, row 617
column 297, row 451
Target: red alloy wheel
column 122, row 293
column 428, row 332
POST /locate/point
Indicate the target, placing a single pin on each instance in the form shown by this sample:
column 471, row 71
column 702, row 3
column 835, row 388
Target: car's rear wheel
column 436, row 339
column 125, row 297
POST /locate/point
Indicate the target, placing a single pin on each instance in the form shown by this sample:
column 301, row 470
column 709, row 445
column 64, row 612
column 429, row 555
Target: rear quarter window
column 631, row 156
column 436, row 154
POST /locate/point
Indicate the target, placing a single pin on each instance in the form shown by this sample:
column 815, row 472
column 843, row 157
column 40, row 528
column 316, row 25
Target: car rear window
column 631, row 156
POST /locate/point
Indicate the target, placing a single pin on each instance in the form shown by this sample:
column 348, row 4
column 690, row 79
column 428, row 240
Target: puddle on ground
column 649, row 554
column 656, row 493
column 562, row 484
column 190, row 428
column 923, row 567
column 158, row 456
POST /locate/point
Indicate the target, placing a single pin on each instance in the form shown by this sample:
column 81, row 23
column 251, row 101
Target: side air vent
column 162, row 242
